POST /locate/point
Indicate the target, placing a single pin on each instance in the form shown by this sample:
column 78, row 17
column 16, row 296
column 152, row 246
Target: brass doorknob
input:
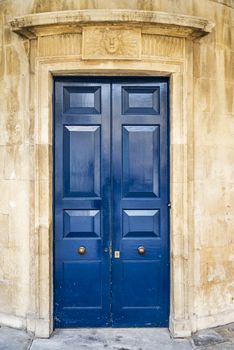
column 141, row 250
column 81, row 250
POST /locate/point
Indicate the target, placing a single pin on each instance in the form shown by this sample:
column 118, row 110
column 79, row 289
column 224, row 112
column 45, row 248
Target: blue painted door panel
column 111, row 193
column 82, row 201
column 140, row 289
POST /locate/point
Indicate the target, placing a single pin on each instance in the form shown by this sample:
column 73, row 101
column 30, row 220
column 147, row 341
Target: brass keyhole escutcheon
column 141, row 250
column 81, row 250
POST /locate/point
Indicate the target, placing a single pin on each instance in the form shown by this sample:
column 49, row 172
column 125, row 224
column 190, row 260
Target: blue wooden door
column 82, row 202
column 111, row 193
column 140, row 295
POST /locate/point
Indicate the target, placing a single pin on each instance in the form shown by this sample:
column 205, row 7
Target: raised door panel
column 140, row 161
column 141, row 223
column 140, row 100
column 82, row 99
column 82, row 223
column 81, row 157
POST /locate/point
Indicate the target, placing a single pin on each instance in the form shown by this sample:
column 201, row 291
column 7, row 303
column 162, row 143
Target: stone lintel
column 170, row 24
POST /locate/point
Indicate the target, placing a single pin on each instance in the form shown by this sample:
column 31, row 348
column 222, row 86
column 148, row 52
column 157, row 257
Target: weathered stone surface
column 4, row 229
column 92, row 339
column 107, row 42
column 169, row 24
column 207, row 338
column 118, row 339
column 12, row 339
column 221, row 338
column 202, row 124
column 59, row 45
column 112, row 339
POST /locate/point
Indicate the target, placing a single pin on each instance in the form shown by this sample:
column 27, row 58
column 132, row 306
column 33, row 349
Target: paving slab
column 13, row 339
column 207, row 337
column 226, row 331
column 111, row 339
column 219, row 338
column 223, row 346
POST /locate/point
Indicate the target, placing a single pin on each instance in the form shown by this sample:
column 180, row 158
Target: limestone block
column 14, row 127
column 220, row 86
column 205, row 9
column 229, row 93
column 178, row 216
column 6, row 300
column 45, row 200
column 196, row 60
column 157, row 45
column 216, row 266
column 214, row 219
column 204, row 299
column 1, row 265
column 207, row 61
column 3, row 130
column 2, row 48
column 216, row 298
column 179, row 7
column 178, row 159
column 214, row 129
column 19, row 210
column 21, row 289
column 12, row 96
column 215, row 273
column 5, row 196
column 2, row 157
column 7, row 264
column 18, row 162
column 44, row 6
column 43, row 155
column 209, row 160
column 178, row 295
column 4, row 229
column 228, row 66
column 44, row 132
column 59, row 45
column 219, row 272
column 178, row 132
column 8, row 35
column 204, row 92
column 13, row 61
column 223, row 32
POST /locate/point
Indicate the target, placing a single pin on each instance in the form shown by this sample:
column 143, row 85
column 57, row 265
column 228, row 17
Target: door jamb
column 43, row 281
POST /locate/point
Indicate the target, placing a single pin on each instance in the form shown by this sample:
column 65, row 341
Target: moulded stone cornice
column 49, row 23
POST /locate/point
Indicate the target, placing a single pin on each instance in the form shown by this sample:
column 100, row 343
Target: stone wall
column 212, row 249
column 213, row 168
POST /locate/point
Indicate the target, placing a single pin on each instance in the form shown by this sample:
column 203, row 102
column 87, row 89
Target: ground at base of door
column 220, row 338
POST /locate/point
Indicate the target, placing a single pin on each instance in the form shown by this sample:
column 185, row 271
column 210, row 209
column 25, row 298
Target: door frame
column 181, row 174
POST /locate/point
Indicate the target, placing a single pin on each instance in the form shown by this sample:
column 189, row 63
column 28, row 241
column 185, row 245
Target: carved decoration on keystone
column 111, row 43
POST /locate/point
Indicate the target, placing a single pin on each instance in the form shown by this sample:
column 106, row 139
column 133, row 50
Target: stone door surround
column 113, row 42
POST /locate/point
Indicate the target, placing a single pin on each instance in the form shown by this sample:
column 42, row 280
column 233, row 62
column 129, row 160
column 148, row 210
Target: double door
column 111, row 195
